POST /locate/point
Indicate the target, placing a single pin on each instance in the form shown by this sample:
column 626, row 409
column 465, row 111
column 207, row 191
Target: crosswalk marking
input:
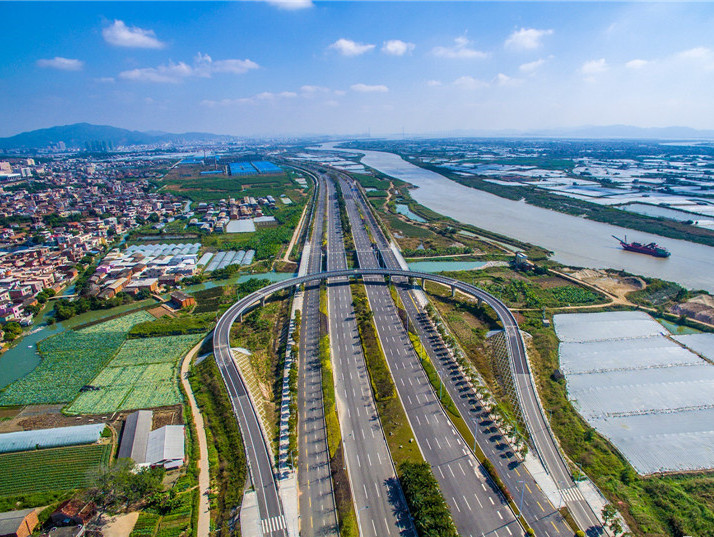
column 273, row 524
column 572, row 494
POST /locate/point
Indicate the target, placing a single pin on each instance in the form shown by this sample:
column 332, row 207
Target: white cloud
column 434, row 83
column 171, row 73
column 697, row 53
column 460, row 50
column 106, row 80
column 396, row 47
column 269, row 95
column 63, row 64
column 531, row 67
column 203, row 66
column 505, row 80
column 121, row 35
column 366, row 88
column 265, row 96
column 594, row 67
column 526, row 39
column 637, row 64
column 347, row 47
column 291, row 4
column 469, row 83
column 314, row 89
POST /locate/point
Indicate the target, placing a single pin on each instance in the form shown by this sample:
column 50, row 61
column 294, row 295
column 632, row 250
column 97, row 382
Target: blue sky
column 267, row 68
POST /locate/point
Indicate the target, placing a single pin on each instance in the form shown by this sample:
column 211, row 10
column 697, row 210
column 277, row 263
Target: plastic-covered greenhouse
column 46, row 438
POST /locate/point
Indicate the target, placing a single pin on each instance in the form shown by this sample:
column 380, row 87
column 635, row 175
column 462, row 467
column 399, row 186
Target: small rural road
column 204, row 480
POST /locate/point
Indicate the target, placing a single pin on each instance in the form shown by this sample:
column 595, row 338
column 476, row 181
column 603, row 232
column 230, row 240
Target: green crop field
column 153, row 350
column 143, row 374
column 45, row 470
column 70, row 360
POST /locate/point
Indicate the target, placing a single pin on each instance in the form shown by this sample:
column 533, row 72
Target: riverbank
column 574, row 241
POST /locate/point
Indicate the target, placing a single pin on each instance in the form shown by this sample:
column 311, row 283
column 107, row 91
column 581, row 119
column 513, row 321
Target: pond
column 678, row 329
column 406, row 211
column 241, row 278
column 19, row 360
column 445, row 266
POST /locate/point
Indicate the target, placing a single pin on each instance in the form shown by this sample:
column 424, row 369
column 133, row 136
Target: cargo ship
column 652, row 248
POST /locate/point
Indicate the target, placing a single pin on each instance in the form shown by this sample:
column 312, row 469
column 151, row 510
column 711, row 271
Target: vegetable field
column 70, row 360
column 153, row 350
column 50, row 469
column 143, row 374
column 175, row 524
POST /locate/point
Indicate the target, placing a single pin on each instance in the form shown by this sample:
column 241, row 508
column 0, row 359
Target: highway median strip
column 424, row 497
column 343, row 494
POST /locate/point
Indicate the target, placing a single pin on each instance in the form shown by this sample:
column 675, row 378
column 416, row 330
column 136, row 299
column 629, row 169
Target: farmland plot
column 44, row 470
column 70, row 360
column 143, row 374
column 153, row 350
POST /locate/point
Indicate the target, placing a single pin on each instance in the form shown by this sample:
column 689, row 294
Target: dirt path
column 120, row 526
column 204, row 481
column 296, row 233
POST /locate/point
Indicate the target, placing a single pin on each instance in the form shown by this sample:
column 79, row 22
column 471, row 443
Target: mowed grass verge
column 62, row 468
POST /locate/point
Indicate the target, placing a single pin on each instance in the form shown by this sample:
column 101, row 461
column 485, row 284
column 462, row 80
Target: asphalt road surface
column 259, row 459
column 318, row 515
column 379, row 502
column 537, row 509
column 477, row 506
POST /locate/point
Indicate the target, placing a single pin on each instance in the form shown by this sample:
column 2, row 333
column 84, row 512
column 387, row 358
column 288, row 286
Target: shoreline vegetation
column 659, row 505
column 549, row 200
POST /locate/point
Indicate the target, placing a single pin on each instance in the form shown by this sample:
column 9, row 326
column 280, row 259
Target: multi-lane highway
column 318, row 514
column 270, row 509
column 541, row 515
column 537, row 509
column 478, row 508
column 379, row 504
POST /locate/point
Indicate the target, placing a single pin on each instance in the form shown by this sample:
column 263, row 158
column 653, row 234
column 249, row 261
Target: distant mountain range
column 86, row 135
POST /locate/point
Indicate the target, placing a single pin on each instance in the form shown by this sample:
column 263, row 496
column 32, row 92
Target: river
column 574, row 241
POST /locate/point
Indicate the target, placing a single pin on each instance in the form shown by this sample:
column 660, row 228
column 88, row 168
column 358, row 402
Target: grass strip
column 227, row 463
column 347, row 518
column 379, row 375
column 424, row 498
column 462, row 426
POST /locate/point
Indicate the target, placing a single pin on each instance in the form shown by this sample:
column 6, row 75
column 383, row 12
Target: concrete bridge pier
column 453, row 291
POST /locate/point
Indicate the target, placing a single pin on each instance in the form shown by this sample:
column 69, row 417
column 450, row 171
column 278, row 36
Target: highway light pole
column 520, row 507
column 359, row 524
column 475, row 432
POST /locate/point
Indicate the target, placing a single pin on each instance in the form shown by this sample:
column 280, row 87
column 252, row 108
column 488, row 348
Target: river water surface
column 575, row 241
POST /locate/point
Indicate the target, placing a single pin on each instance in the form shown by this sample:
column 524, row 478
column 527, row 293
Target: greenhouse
column 47, row 438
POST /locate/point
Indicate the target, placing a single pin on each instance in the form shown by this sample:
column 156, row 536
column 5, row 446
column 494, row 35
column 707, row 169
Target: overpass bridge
column 258, row 454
